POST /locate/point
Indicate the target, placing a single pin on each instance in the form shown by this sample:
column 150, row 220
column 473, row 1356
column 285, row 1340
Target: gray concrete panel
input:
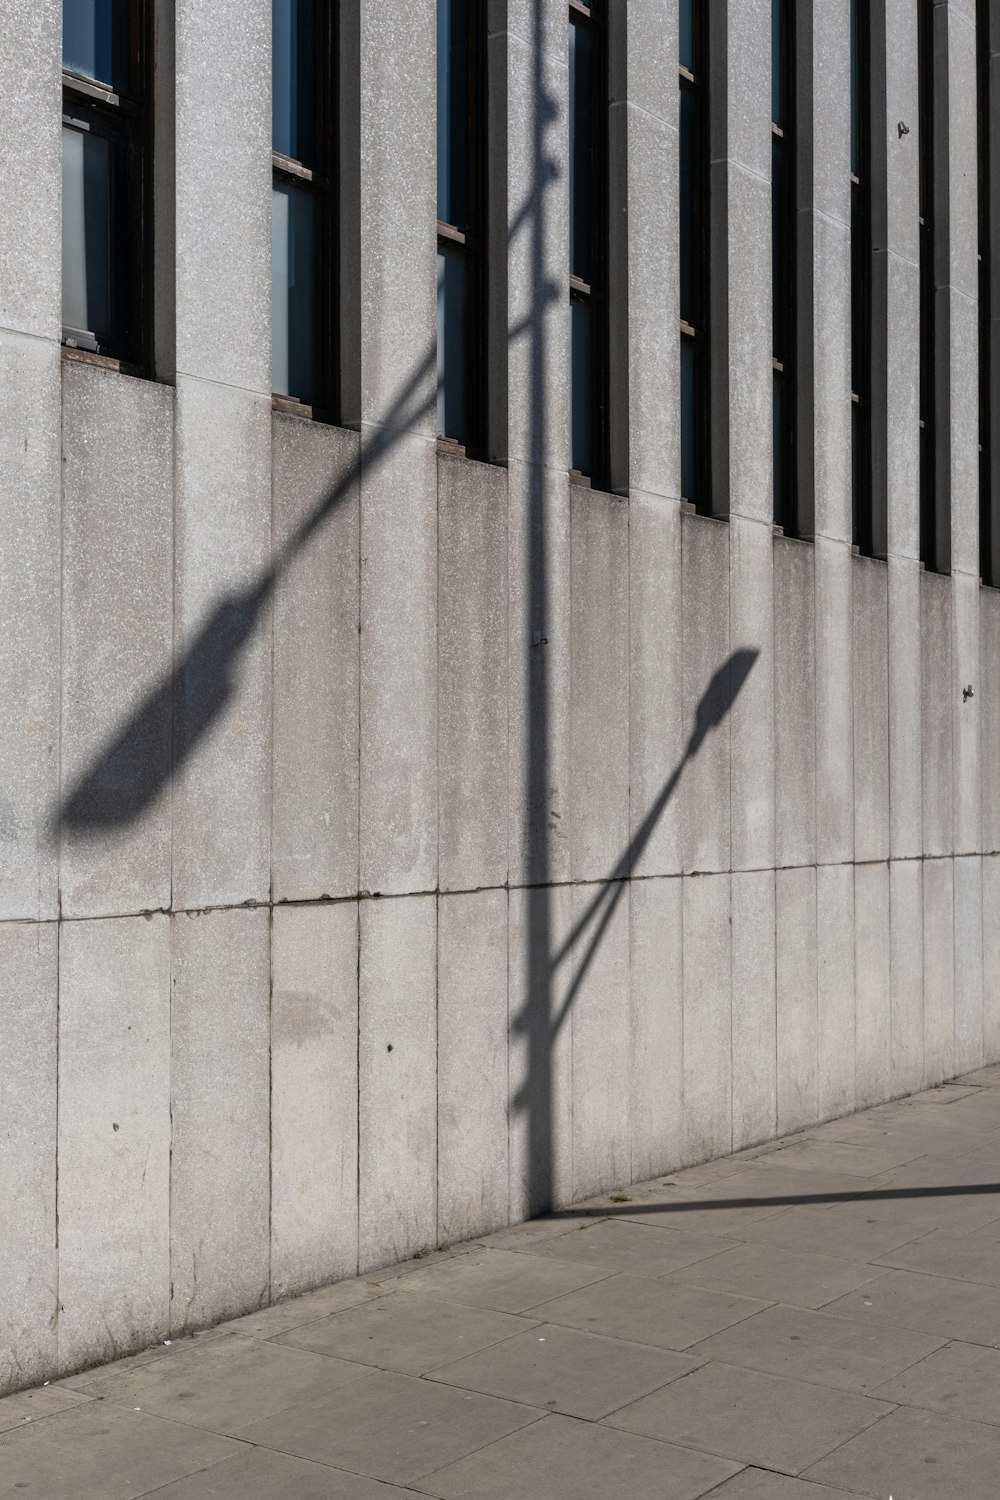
column 794, row 703
column 705, row 788
column 832, row 367
column 751, row 721
column 903, row 410
column 540, row 1058
column 222, row 707
column 656, row 730
column 749, row 326
column 473, row 1175
column 118, row 544
column 991, row 957
column 30, row 126
column 963, row 180
column 870, row 617
column 939, row 970
column 906, row 974
column 835, row 1003
column 754, row 1040
column 873, row 1067
column 834, row 703
column 29, row 622
column 708, row 1011
column 398, row 188
column 905, row 772
column 798, row 1033
column 29, row 969
column 969, row 994
column 399, row 580
column 314, row 1093
column 114, row 1138
column 966, row 782
column 539, row 674
column 314, row 810
column 219, row 1174
column 472, row 674
column 538, row 362
column 656, row 994
column 397, row 1109
column 600, row 1015
column 902, row 150
column 964, row 445
column 938, row 712
column 831, row 125
column 599, row 693
column 748, row 88
column 223, row 200
column 989, row 716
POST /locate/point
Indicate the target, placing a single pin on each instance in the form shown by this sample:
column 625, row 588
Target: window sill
column 103, row 362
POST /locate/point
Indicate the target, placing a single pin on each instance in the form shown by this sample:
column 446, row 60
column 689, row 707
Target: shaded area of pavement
column 812, row 1319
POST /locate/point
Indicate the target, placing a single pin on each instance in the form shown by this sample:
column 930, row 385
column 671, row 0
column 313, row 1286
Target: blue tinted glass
column 687, row 34
column 293, row 294
column 453, row 111
column 582, row 78
column 86, row 232
column 583, row 435
column 453, row 364
column 96, row 38
column 690, row 456
column 294, row 41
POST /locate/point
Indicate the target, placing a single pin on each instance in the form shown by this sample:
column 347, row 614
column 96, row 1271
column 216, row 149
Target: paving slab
column 751, row 1417
column 391, row 1427
column 958, row 1380
column 805, row 1345
column 918, row 1455
column 645, row 1249
column 969, row 1257
column 504, row 1280
column 661, row 1312
column 260, row 1474
column 224, row 1384
column 283, row 1316
column 762, row 1484
column 932, row 1304
column 561, row 1369
column 567, row 1460
column 777, row 1275
column 99, row 1452
column 411, row 1333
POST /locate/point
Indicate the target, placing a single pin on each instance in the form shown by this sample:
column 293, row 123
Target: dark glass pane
column 855, row 91
column 687, row 57
column 781, row 269
column 777, row 80
column 856, row 477
column 690, row 249
column 293, row 293
column 691, row 458
column 293, row 79
column 86, row 232
column 96, row 40
column 583, row 436
column 453, row 58
column 779, row 438
column 453, row 336
column 857, row 285
column 582, row 146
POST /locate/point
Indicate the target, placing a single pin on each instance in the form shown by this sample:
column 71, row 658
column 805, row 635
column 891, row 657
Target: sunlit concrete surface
column 812, row 1319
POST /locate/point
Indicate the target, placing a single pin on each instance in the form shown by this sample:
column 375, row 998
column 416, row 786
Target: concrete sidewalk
column 814, row 1319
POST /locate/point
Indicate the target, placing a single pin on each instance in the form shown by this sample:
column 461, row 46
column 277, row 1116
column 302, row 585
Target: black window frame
column 695, row 336
column 320, row 182
column 595, row 291
column 123, row 116
column 470, row 241
column 784, row 274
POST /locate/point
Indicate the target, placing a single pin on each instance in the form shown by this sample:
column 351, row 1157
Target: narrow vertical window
column 461, row 212
column 861, row 255
column 106, row 178
column 989, row 531
column 303, row 329
column 588, row 237
column 783, row 260
column 928, row 413
column 693, row 78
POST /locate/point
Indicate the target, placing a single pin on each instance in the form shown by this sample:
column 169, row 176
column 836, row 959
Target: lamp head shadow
column 718, row 698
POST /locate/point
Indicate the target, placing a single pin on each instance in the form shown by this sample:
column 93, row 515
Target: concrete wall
column 354, row 904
